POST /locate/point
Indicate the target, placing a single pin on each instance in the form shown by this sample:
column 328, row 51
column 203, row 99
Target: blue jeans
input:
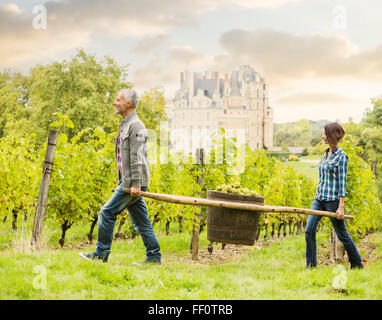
column 138, row 214
column 340, row 228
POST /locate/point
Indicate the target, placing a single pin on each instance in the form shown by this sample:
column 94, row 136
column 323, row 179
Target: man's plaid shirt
column 332, row 173
column 119, row 158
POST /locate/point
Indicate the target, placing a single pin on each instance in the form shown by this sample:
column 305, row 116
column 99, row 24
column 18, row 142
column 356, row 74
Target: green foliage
column 303, row 133
column 368, row 136
column 318, row 149
column 362, row 200
column 82, row 88
column 15, row 112
column 19, row 176
column 83, row 177
column 293, row 157
column 151, row 109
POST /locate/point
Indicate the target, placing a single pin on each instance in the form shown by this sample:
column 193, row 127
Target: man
column 132, row 162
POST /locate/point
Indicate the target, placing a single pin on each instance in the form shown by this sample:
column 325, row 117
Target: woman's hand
column 340, row 212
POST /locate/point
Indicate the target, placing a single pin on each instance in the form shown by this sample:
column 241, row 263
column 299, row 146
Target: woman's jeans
column 137, row 209
column 340, row 228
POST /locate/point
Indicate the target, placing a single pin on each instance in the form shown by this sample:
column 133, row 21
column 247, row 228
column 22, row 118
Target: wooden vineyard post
column 196, row 225
column 44, row 188
column 337, row 250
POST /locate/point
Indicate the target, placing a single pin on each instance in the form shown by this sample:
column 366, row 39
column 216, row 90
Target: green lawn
column 276, row 271
column 308, row 169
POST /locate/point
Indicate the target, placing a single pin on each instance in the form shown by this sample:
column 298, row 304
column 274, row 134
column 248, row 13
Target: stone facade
column 237, row 102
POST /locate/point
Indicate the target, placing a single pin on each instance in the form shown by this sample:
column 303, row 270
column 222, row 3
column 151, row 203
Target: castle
column 236, row 102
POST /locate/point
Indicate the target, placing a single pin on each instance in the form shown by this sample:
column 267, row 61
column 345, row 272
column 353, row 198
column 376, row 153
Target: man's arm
column 138, row 144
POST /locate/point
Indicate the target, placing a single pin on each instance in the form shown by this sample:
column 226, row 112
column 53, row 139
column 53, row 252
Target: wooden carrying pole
column 233, row 205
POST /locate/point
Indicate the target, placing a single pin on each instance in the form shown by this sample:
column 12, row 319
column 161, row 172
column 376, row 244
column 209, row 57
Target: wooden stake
column 196, row 225
column 337, row 250
column 44, row 188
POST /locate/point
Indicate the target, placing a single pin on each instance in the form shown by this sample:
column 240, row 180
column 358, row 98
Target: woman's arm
column 342, row 174
column 341, row 208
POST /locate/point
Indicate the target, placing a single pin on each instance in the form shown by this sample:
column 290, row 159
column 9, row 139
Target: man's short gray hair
column 130, row 95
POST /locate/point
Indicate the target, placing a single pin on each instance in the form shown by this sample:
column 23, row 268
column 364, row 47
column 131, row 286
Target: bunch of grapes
column 235, row 188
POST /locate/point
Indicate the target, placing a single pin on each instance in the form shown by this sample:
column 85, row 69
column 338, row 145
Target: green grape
column 236, row 185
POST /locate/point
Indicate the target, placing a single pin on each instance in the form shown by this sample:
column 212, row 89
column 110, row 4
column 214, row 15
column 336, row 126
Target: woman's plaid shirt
column 332, row 173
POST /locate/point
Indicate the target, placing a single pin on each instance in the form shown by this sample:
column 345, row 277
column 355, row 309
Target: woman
column 330, row 196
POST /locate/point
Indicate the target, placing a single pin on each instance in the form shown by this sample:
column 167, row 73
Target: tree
column 370, row 139
column 81, row 88
column 151, row 109
column 15, row 112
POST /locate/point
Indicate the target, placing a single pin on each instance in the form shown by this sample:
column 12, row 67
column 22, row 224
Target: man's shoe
column 92, row 256
column 146, row 262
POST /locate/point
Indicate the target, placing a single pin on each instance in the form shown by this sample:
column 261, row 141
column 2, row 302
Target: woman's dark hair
column 334, row 132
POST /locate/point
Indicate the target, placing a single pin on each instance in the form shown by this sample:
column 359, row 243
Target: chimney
column 216, row 94
column 191, row 84
column 226, row 84
column 181, row 80
column 216, row 81
column 187, row 79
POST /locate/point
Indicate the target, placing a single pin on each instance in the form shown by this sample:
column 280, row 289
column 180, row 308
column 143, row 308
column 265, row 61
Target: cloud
column 11, row 8
column 187, row 57
column 287, row 61
column 263, row 3
column 166, row 70
column 120, row 18
column 72, row 24
column 311, row 98
column 20, row 41
column 150, row 43
column 283, row 56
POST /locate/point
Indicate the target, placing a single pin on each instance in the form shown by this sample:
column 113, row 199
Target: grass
column 276, row 271
column 306, row 168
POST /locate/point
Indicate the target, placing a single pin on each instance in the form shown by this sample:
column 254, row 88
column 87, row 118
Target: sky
column 322, row 59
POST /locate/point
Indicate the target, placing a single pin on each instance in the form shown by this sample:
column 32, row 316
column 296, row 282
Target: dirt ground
column 231, row 252
column 366, row 248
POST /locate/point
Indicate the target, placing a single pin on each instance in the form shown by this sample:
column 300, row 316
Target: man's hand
column 135, row 191
column 340, row 212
